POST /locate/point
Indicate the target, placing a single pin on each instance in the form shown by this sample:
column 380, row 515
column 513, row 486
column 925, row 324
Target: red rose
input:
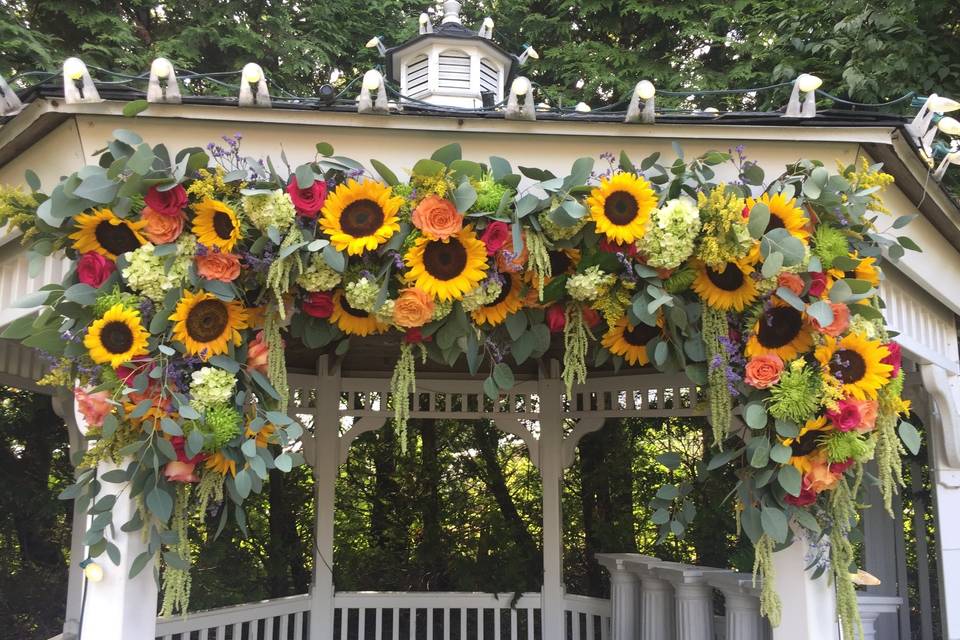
column 169, row 202
column 818, row 282
column 495, row 236
column 556, row 318
column 807, row 497
column 318, row 304
column 308, row 201
column 894, row 358
column 629, row 249
column 841, row 467
column 179, row 443
column 414, row 335
column 591, row 317
column 94, row 269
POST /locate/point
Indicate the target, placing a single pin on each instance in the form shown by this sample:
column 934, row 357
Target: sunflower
column 116, row 337
column 354, row 322
column 360, row 216
column 731, row 288
column 219, row 463
column 216, row 225
column 447, row 269
column 507, row 302
column 629, row 341
column 781, row 330
column 206, row 325
column 784, row 214
column 621, row 207
column 103, row 232
column 805, row 448
column 262, row 436
column 856, row 361
column 866, row 269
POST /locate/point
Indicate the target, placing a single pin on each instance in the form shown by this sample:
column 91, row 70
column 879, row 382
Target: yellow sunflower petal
column 780, row 330
column 508, row 302
column 630, row 342
column 354, row 322
column 856, row 361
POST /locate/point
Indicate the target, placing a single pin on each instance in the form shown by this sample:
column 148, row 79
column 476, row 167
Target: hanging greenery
column 191, row 274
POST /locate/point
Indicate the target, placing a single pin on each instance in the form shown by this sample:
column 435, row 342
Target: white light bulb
column 533, row 53
column 520, row 86
column 941, row 104
column 582, row 107
column 252, row 72
column 807, row 83
column 949, row 126
column 373, row 42
column 424, row 19
column 711, row 110
column 645, row 90
column 93, row 572
column 162, row 68
column 372, row 80
column 488, row 22
column 74, row 68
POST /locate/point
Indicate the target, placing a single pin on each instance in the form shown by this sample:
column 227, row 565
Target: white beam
column 551, row 473
column 809, row 606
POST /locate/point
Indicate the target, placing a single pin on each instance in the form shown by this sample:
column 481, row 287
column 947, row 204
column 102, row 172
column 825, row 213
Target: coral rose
column 318, row 304
column 93, row 406
column 791, row 282
column 495, row 236
column 868, row 414
column 257, row 354
column 169, row 202
column 841, row 320
column 309, row 201
column 224, row 267
column 413, row 308
column 556, row 318
column 437, row 217
column 161, row 228
column 93, row 269
column 180, row 472
column 763, row 371
column 818, row 283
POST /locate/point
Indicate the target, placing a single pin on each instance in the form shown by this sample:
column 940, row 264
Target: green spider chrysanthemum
column 841, row 446
column 489, row 194
column 222, row 424
column 108, row 299
column 797, row 396
column 829, row 243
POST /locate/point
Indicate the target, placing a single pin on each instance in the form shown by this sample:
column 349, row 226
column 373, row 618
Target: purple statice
column 734, row 360
column 625, row 262
column 147, row 309
column 257, row 263
column 227, row 156
column 497, row 353
column 179, row 372
column 611, row 166
column 397, row 259
column 355, row 173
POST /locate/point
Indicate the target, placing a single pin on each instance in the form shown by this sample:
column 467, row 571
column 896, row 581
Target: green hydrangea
column 318, row 276
column 829, row 243
column 108, row 299
column 147, row 273
column 362, row 294
column 273, row 209
column 489, row 194
column 670, row 234
column 441, row 309
column 797, row 396
column 589, row 285
column 210, row 387
column 481, row 295
column 221, row 425
column 384, row 313
column 556, row 232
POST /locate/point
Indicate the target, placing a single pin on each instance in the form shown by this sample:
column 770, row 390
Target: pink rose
column 839, row 468
column 94, row 269
column 556, row 318
column 161, row 228
column 308, row 201
column 93, row 406
column 762, row 372
column 414, row 335
column 318, row 304
column 257, row 354
column 177, row 471
column 894, row 358
column 169, row 202
column 495, row 236
column 846, row 417
column 807, row 496
column 841, row 320
column 818, row 282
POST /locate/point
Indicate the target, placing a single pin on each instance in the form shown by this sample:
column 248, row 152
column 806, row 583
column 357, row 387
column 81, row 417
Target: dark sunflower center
column 116, row 238
column 445, row 260
column 640, row 335
column 357, row 313
column 776, row 222
column 222, row 225
column 805, row 444
column 559, row 262
column 361, row 218
column 847, row 366
column 207, row 320
column 779, row 326
column 621, row 207
column 504, row 292
column 116, row 337
column 730, row 279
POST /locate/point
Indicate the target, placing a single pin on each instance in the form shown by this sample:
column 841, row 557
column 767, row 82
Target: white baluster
column 694, row 610
column 624, row 597
column 656, row 608
column 744, row 621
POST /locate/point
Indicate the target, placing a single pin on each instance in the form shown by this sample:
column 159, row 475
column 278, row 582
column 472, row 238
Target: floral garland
column 189, row 273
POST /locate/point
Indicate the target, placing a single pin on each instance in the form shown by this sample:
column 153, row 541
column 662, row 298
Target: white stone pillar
column 118, row 607
column 656, row 608
column 809, row 606
column 624, row 597
column 324, row 459
column 552, row 609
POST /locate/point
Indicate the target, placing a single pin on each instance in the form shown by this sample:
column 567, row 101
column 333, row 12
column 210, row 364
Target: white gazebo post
column 552, row 607
column 324, row 456
column 809, row 606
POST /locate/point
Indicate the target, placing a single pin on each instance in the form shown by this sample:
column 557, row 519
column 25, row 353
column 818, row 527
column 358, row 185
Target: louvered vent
column 454, row 70
column 489, row 77
column 417, row 76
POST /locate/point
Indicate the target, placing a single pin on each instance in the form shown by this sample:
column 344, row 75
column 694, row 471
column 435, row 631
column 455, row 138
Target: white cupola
column 449, row 64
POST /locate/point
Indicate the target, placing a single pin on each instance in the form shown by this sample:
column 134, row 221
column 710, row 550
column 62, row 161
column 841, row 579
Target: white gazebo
column 338, row 399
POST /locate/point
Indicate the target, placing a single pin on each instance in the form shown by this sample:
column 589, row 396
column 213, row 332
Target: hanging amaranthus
column 402, row 384
column 715, row 328
column 538, row 260
column 575, row 343
column 770, row 605
column 842, row 507
column 889, row 448
column 176, row 582
column 278, row 276
column 276, row 358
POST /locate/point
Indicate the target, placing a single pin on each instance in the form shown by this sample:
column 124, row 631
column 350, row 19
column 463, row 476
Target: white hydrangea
column 483, row 294
column 362, row 294
column 211, row 386
column 670, row 234
column 384, row 313
column 147, row 273
column 274, row 209
column 319, row 276
column 589, row 285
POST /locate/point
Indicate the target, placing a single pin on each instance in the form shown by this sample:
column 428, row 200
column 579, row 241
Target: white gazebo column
column 742, row 605
column 943, row 386
column 323, row 454
column 624, row 597
column 693, row 598
column 656, row 599
column 552, row 610
column 119, row 607
column 809, row 606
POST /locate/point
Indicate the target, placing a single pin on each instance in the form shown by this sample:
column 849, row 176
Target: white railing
column 587, row 618
column 278, row 619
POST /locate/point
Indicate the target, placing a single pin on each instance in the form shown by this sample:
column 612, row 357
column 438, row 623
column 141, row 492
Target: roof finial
column 451, row 12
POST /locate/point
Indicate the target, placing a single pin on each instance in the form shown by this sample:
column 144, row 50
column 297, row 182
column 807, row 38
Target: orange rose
column 437, row 217
column 790, row 281
column 160, row 228
column 413, row 308
column 841, row 320
column 820, row 477
column 764, row 371
column 224, row 267
column 257, row 354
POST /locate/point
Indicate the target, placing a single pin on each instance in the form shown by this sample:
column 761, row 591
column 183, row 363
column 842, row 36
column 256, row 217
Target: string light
column 806, row 84
column 949, row 126
column 644, row 90
column 253, row 88
column 528, row 52
column 77, row 84
column 425, row 25
column 377, row 42
column 372, row 81
column 520, row 88
column 163, row 86
column 486, row 29
column 74, row 68
column 91, row 570
column 9, row 100
column 582, row 107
